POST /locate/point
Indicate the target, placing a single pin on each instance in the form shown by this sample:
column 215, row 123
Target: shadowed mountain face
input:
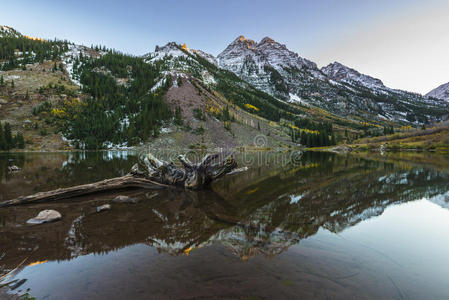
column 263, row 211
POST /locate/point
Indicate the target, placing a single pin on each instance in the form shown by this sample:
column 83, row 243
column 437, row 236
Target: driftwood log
column 148, row 173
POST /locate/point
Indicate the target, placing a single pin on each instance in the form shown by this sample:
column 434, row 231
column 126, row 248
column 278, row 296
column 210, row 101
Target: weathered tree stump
column 148, row 173
column 191, row 176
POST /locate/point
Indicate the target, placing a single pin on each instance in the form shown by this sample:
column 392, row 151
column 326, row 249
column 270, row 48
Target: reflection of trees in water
column 87, row 167
column 260, row 212
column 43, row 172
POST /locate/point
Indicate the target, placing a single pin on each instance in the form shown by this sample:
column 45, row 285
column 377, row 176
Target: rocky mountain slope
column 274, row 69
column 267, row 65
column 339, row 72
column 441, row 92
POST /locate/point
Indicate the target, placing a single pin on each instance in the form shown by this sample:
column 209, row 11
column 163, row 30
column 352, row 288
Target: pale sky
column 405, row 43
column 407, row 51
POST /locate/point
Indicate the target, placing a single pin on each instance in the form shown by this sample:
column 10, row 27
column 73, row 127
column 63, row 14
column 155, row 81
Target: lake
column 317, row 225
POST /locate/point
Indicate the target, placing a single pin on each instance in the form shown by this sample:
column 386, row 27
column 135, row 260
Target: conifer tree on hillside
column 3, row 145
column 8, row 137
column 178, row 117
column 19, row 140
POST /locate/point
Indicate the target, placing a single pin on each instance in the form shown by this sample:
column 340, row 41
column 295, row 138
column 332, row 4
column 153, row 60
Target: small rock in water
column 151, row 196
column 125, row 199
column 103, row 207
column 13, row 168
column 45, row 216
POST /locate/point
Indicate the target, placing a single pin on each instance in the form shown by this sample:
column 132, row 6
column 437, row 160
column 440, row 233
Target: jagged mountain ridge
column 271, row 67
column 340, row 72
column 265, row 64
column 441, row 92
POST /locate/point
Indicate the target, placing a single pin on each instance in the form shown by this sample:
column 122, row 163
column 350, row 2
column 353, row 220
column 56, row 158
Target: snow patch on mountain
column 441, row 92
column 6, row 31
column 74, row 52
column 209, row 57
column 159, row 84
column 296, row 99
column 169, row 50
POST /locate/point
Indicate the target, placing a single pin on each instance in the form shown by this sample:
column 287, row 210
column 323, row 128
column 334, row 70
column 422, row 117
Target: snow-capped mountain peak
column 340, row 72
column 267, row 40
column 242, row 40
column 441, row 92
column 268, row 65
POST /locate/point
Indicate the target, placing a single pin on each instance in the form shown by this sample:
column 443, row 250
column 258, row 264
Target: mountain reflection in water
column 260, row 212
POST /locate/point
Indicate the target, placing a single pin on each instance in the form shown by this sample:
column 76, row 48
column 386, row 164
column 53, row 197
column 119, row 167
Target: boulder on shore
column 45, row 216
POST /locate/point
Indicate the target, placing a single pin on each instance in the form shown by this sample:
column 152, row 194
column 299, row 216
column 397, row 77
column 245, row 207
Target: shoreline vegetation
column 434, row 139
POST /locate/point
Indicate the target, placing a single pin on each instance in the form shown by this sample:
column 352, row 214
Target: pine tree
column 226, row 115
column 8, row 137
column 309, row 140
column 3, row 145
column 178, row 116
column 322, row 141
column 19, row 140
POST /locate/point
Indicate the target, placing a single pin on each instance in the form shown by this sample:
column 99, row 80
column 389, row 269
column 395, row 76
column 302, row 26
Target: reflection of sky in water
column 412, row 235
column 405, row 247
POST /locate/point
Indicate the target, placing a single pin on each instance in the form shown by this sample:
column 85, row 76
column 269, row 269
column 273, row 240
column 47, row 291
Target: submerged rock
column 125, row 199
column 13, row 168
column 45, row 216
column 103, row 207
column 151, row 196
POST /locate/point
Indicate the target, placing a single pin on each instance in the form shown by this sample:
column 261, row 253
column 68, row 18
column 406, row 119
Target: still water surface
column 323, row 226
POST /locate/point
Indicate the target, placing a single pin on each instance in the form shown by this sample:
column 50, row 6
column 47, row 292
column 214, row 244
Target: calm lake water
column 320, row 226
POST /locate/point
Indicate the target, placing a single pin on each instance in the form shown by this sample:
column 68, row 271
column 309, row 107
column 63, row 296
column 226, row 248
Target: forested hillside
column 119, row 108
column 58, row 95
